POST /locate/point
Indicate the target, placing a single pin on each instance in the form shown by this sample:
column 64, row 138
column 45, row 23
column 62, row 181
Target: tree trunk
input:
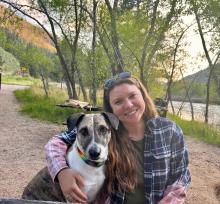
column 93, row 55
column 195, row 10
column 146, row 41
column 158, row 41
column 44, row 84
column 81, row 84
column 114, row 36
column 188, row 95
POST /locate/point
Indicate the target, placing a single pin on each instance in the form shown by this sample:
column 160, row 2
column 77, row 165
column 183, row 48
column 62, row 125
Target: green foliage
column 3, row 38
column 9, row 62
column 198, row 130
column 8, row 79
column 37, row 60
column 132, row 29
column 37, row 106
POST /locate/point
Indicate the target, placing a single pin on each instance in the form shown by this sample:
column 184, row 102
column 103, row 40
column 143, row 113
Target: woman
column 151, row 164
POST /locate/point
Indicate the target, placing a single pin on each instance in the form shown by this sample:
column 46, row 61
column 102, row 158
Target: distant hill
column 28, row 32
column 197, row 83
column 10, row 63
column 202, row 76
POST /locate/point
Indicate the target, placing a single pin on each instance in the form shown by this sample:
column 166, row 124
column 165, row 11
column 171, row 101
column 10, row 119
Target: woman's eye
column 132, row 96
column 118, row 102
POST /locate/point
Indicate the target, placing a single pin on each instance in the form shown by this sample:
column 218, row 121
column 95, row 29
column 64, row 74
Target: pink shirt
column 55, row 156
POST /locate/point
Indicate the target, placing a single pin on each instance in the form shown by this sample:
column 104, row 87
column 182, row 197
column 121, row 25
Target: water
column 199, row 112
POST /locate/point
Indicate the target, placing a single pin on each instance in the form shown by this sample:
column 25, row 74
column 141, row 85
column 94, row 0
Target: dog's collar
column 87, row 160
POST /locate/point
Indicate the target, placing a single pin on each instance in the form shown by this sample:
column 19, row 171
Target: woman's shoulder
column 159, row 122
column 163, row 127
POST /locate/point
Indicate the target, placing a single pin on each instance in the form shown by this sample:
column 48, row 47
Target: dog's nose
column 94, row 152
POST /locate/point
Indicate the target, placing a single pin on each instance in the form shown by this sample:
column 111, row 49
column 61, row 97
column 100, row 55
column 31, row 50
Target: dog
column 87, row 155
column 89, row 152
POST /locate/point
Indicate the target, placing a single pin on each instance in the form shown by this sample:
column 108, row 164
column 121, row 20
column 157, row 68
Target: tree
column 198, row 11
column 177, row 53
column 155, row 38
column 114, row 36
column 60, row 16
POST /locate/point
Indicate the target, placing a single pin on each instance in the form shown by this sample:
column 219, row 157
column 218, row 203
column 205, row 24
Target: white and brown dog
column 89, row 152
column 87, row 155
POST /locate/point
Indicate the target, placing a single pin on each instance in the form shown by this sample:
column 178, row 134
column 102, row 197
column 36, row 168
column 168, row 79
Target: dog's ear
column 112, row 119
column 73, row 120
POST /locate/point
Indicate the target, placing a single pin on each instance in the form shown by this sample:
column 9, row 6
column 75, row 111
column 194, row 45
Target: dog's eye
column 84, row 132
column 103, row 130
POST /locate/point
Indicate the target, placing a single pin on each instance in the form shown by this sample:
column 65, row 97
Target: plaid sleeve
column 69, row 136
column 180, row 178
column 174, row 194
column 55, row 156
column 56, row 150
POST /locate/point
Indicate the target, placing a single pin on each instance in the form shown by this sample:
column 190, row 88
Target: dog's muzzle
column 94, row 152
column 89, row 161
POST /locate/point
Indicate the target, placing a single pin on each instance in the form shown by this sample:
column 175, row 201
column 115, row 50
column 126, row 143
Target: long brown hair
column 122, row 165
column 121, row 168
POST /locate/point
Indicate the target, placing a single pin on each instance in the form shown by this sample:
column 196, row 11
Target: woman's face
column 127, row 103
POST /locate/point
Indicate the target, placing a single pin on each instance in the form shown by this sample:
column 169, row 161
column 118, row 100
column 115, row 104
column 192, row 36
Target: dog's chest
column 93, row 176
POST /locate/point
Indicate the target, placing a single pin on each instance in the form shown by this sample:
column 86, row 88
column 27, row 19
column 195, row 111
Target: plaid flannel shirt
column 166, row 171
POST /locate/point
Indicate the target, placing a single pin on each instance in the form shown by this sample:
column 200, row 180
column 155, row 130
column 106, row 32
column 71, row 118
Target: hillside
column 28, row 32
column 198, row 90
column 9, row 63
column 202, row 76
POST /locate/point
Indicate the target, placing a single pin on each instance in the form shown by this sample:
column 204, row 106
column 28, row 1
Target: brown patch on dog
column 41, row 187
column 217, row 191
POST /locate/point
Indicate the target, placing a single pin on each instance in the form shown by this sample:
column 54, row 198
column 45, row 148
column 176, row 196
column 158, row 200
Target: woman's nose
column 128, row 103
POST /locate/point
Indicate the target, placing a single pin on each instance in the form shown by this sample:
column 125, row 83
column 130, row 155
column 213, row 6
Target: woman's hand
column 71, row 183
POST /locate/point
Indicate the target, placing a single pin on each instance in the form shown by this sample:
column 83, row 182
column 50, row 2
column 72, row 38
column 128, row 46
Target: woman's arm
column 56, row 150
column 70, row 181
column 179, row 173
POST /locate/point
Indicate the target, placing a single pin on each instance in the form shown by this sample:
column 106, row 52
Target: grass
column 36, row 105
column 198, row 130
column 26, row 80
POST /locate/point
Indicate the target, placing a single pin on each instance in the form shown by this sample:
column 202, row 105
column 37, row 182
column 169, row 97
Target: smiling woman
column 128, row 104
column 149, row 149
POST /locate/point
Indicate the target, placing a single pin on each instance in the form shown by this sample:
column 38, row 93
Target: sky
column 195, row 49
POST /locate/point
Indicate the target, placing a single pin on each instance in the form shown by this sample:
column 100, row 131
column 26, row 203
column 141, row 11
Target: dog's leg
column 41, row 187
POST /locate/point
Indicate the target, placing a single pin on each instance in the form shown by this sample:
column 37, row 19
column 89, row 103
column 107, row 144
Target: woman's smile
column 131, row 113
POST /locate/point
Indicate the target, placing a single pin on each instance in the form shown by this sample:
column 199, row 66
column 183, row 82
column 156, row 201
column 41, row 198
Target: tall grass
column 198, row 130
column 8, row 79
column 36, row 105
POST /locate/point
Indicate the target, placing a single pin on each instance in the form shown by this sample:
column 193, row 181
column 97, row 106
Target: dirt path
column 22, row 154
column 22, row 143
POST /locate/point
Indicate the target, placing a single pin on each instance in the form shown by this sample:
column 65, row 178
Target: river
column 199, row 111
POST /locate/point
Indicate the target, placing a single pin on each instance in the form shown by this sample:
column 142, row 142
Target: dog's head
column 93, row 133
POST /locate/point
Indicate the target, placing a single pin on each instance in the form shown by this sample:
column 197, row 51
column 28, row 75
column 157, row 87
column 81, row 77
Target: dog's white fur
column 93, row 176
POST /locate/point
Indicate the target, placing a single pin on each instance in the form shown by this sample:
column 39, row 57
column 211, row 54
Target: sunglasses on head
column 110, row 82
